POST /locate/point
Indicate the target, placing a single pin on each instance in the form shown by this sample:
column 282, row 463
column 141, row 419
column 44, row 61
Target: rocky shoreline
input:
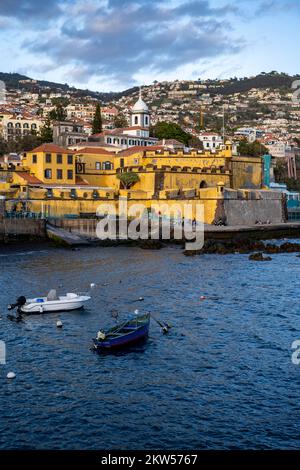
column 244, row 247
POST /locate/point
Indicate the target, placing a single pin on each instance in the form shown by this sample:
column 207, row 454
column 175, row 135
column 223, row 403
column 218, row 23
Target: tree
column 170, row 130
column 128, row 179
column 97, row 121
column 120, row 121
column 3, row 146
column 46, row 132
column 195, row 143
column 253, row 149
column 58, row 114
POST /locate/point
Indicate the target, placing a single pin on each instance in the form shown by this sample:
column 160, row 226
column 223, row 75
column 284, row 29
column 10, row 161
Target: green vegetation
column 97, row 121
column 26, row 143
column 58, row 114
column 120, row 121
column 46, row 133
column 170, row 130
column 128, row 179
column 253, row 149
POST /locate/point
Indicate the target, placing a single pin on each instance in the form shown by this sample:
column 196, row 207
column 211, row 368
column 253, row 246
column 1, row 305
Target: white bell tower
column 140, row 115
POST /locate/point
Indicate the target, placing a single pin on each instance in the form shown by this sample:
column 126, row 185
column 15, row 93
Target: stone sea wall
column 253, row 207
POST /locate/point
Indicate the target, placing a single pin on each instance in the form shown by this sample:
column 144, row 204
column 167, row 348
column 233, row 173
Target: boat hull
column 132, row 337
column 53, row 306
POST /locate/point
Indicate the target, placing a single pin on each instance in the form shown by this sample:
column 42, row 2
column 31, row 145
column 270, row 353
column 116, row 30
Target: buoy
column 11, row 375
column 59, row 324
column 202, row 297
column 92, row 285
column 136, row 312
column 141, row 298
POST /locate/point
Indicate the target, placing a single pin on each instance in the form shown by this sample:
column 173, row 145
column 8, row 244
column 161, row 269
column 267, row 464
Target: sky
column 111, row 45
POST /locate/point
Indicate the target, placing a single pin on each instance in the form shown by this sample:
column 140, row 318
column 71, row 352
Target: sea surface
column 221, row 379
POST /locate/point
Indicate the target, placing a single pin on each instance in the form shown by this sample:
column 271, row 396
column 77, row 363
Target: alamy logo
column 296, row 93
column 160, row 221
column 2, row 353
column 2, row 92
column 296, row 353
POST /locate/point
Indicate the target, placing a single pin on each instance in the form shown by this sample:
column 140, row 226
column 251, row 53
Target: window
column 136, row 161
column 26, row 125
column 70, row 174
column 106, row 166
column 70, row 160
column 59, row 158
column 18, row 125
column 98, row 165
column 48, row 174
column 59, row 174
column 10, row 124
column 109, row 140
column 48, row 157
column 33, row 126
column 146, row 121
column 136, row 120
column 34, row 158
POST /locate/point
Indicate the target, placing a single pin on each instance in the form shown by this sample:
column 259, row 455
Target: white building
column 210, row 140
column 138, row 134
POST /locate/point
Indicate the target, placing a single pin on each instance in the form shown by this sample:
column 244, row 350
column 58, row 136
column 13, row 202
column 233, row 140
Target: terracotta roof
column 140, row 148
column 80, row 181
column 29, row 178
column 94, row 150
column 52, row 148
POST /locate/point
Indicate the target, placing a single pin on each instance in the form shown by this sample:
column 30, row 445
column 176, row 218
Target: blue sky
column 114, row 44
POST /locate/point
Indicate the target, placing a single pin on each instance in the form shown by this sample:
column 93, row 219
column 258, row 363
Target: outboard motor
column 19, row 303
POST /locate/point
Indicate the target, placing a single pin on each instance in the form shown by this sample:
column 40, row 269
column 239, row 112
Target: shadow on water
column 222, row 379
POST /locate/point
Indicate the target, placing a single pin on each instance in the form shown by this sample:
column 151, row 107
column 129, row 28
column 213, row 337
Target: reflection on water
column 221, row 379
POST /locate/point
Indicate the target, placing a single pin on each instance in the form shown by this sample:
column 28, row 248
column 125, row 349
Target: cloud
column 32, row 9
column 117, row 39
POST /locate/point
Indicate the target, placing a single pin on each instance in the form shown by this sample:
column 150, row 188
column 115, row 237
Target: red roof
column 51, row 148
column 93, row 150
column 28, row 177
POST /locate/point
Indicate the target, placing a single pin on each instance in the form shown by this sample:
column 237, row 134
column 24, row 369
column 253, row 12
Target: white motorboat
column 51, row 303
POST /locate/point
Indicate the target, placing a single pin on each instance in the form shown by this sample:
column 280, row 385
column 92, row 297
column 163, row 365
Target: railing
column 24, row 215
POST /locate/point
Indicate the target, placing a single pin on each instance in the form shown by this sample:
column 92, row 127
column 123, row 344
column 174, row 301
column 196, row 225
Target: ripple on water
column 222, row 378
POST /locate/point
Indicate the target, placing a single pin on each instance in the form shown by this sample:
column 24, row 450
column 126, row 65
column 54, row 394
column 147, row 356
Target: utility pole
column 223, row 124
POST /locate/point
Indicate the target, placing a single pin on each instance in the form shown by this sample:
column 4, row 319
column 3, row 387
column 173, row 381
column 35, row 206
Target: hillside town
column 59, row 143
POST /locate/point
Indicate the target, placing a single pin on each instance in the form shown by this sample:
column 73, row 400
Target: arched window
column 33, row 126
column 18, row 125
column 10, row 124
column 203, row 184
column 26, row 125
column 109, row 140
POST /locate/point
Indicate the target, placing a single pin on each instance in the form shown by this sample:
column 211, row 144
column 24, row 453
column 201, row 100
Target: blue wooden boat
column 125, row 334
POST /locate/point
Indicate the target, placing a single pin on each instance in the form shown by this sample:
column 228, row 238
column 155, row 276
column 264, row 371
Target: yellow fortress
column 58, row 182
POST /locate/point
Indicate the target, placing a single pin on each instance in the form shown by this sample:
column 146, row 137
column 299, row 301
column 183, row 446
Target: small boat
column 51, row 303
column 125, row 334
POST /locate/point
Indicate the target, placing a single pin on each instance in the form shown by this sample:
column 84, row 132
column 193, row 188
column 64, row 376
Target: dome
column 140, row 106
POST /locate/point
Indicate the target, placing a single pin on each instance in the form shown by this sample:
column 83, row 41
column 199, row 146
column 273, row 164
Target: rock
column 290, row 247
column 151, row 245
column 259, row 257
column 270, row 248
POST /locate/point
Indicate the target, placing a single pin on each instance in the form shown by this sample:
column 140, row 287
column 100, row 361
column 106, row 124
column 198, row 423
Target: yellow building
column 59, row 182
column 51, row 164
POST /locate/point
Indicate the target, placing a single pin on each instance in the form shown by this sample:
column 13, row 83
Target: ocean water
column 222, row 379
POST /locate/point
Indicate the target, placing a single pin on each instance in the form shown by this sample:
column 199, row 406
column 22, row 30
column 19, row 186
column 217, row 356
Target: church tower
column 140, row 115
